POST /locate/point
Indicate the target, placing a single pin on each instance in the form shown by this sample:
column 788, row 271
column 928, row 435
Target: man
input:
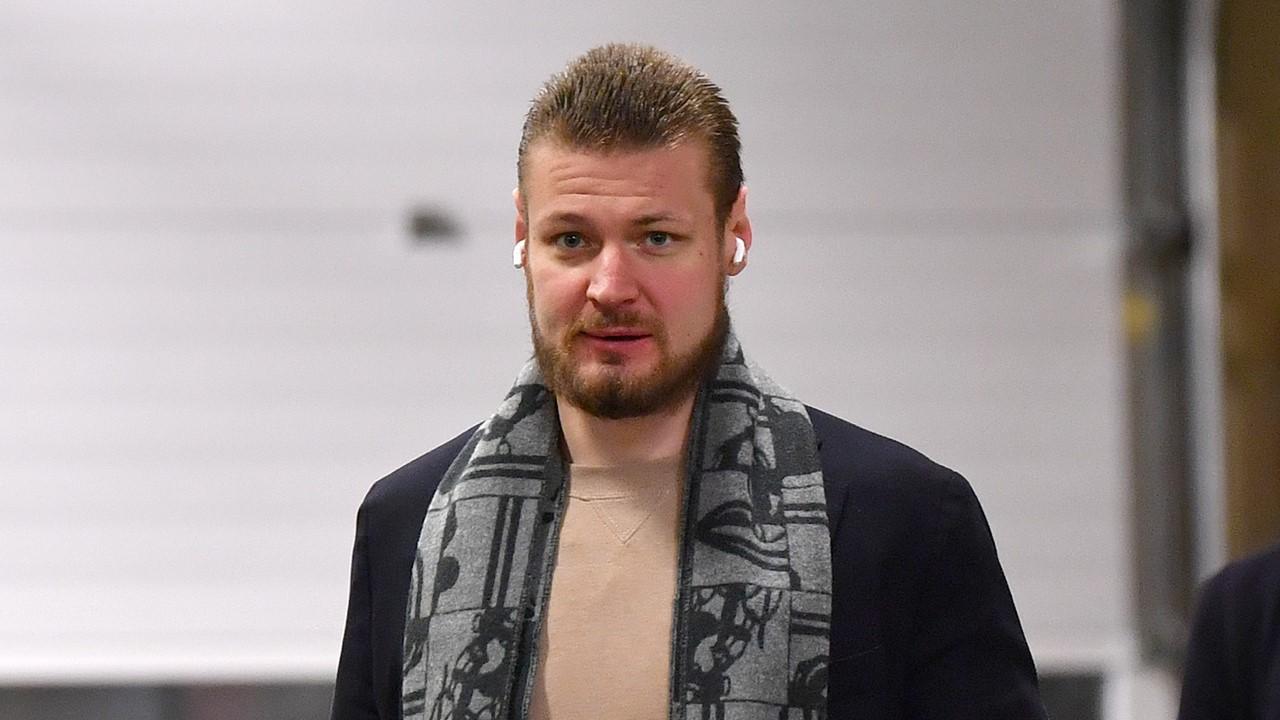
column 648, row 527
column 1233, row 657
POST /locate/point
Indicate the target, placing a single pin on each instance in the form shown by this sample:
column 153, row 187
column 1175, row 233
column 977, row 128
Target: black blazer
column 1233, row 657
column 922, row 626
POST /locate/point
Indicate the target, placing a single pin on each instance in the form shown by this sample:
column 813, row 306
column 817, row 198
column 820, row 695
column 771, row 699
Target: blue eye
column 658, row 239
column 570, row 241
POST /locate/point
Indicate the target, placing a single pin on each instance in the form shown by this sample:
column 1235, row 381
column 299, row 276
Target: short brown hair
column 636, row 97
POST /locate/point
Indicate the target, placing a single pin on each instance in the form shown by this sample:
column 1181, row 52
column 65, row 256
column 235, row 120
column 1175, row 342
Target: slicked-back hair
column 623, row 97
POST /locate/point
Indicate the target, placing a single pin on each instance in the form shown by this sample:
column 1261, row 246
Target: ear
column 737, row 225
column 521, row 253
column 522, row 224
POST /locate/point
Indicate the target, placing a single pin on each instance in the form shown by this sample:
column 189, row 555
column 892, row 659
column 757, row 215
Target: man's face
column 625, row 268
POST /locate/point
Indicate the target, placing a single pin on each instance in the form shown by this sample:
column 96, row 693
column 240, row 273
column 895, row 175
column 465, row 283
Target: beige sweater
column 605, row 650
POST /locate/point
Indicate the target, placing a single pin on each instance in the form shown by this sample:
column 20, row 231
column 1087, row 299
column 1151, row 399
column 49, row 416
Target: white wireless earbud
column 517, row 255
column 739, row 251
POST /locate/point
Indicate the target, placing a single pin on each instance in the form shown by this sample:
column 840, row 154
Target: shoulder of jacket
column 859, row 459
column 1255, row 578
column 416, row 480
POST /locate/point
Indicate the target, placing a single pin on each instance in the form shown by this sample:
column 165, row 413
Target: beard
column 613, row 392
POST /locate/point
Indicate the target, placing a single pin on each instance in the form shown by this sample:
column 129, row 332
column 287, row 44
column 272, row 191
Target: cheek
column 686, row 303
column 556, row 298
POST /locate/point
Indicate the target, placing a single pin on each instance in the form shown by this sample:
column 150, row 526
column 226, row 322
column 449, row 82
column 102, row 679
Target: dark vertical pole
column 1156, row 262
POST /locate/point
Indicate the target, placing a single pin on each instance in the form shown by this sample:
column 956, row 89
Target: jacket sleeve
column 968, row 656
column 1209, row 691
column 353, row 697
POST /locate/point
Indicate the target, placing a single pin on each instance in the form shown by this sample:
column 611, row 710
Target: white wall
column 215, row 334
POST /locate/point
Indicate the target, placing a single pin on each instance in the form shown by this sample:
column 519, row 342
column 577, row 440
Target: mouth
column 618, row 338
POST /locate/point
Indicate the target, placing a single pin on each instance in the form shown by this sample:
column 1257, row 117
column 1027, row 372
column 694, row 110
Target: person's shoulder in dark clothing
column 923, row 623
column 1233, row 657
column 881, row 479
column 387, row 528
column 406, row 485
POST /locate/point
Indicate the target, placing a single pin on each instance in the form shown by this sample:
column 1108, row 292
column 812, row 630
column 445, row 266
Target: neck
column 592, row 440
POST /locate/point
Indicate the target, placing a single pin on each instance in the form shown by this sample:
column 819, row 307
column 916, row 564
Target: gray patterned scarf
column 753, row 603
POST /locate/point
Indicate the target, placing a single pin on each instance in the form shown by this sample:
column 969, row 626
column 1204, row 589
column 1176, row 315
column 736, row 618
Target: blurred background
column 254, row 256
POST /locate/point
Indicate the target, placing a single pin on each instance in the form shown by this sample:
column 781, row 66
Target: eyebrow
column 642, row 221
column 655, row 219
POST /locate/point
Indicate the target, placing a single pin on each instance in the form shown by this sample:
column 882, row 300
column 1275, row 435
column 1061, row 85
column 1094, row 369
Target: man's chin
column 609, row 384
column 621, row 406
column 602, row 369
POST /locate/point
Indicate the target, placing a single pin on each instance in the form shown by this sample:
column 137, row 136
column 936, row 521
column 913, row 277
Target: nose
column 613, row 280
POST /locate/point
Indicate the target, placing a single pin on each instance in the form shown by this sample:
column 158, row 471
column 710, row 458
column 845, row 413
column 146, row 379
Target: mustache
column 612, row 319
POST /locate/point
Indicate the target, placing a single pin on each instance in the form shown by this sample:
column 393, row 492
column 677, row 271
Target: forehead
column 670, row 179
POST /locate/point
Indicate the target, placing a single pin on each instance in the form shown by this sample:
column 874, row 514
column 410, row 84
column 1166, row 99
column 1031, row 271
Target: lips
column 617, row 335
column 618, row 340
